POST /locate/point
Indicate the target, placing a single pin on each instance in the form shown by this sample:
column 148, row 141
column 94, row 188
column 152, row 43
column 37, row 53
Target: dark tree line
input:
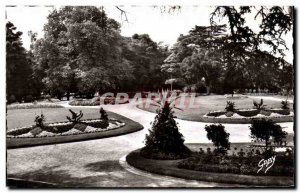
column 83, row 52
column 224, row 58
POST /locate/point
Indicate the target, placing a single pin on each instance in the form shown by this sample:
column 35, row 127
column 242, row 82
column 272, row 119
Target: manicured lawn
column 205, row 104
column 25, row 117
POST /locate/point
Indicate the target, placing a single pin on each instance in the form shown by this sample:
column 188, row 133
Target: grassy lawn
column 205, row 104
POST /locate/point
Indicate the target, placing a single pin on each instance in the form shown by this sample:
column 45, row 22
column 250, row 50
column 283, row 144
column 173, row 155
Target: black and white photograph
column 150, row 96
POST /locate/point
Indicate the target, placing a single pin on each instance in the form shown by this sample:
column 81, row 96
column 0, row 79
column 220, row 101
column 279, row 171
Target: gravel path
column 96, row 163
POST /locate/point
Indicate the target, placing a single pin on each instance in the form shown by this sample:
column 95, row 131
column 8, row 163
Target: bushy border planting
column 170, row 168
column 32, row 105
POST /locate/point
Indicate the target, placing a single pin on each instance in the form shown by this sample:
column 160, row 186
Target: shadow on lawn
column 104, row 166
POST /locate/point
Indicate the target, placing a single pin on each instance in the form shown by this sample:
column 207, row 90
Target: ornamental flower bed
column 244, row 116
column 65, row 128
column 251, row 113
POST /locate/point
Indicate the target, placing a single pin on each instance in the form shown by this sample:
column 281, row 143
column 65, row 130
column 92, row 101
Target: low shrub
column 19, row 131
column 246, row 165
column 39, row 120
column 285, row 104
column 99, row 124
column 247, row 113
column 95, row 102
column 28, row 98
column 215, row 114
column 265, row 112
column 12, row 99
column 36, row 131
column 230, row 107
column 80, row 127
column 59, row 128
column 229, row 114
column 33, row 106
column 259, row 105
column 281, row 111
column 75, row 116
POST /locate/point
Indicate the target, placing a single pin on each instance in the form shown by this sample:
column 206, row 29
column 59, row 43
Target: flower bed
column 180, row 169
column 93, row 102
column 32, row 105
column 65, row 128
column 245, row 165
column 246, row 116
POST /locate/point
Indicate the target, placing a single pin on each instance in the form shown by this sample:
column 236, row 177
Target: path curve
column 95, row 163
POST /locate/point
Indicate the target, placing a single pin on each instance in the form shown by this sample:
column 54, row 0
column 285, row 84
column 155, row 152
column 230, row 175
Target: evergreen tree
column 164, row 140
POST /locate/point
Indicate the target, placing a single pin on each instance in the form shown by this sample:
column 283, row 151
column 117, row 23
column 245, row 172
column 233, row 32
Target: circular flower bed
column 246, row 115
column 65, row 128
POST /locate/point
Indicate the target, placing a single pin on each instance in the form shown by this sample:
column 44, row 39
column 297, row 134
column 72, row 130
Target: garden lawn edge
column 129, row 127
column 169, row 168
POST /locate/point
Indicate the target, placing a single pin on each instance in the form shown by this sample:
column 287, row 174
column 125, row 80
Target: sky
column 162, row 27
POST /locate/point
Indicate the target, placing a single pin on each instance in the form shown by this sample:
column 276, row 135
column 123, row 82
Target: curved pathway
column 95, row 163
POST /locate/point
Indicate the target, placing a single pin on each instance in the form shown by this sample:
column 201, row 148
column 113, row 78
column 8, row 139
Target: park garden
column 239, row 130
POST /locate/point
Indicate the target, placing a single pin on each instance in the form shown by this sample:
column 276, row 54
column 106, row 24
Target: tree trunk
column 208, row 89
column 68, row 96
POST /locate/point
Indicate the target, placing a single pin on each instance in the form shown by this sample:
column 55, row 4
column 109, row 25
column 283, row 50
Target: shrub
column 36, row 131
column 265, row 112
column 12, row 99
column 164, row 140
column 229, row 114
column 75, row 116
column 284, row 165
column 39, row 120
column 219, row 137
column 259, row 105
column 80, row 127
column 103, row 114
column 248, row 113
column 262, row 129
column 104, row 119
column 28, row 98
column 230, row 106
column 285, row 104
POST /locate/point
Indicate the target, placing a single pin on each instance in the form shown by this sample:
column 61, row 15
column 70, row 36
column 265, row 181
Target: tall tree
column 18, row 70
column 80, row 50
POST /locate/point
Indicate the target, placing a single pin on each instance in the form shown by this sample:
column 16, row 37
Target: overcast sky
column 162, row 27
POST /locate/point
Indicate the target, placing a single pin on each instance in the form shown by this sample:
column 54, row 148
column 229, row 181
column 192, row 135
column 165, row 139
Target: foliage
column 75, row 116
column 230, row 106
column 285, row 104
column 245, row 164
column 103, row 114
column 33, row 106
column 40, row 120
column 219, row 137
column 164, row 140
column 260, row 105
column 18, row 67
column 264, row 129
